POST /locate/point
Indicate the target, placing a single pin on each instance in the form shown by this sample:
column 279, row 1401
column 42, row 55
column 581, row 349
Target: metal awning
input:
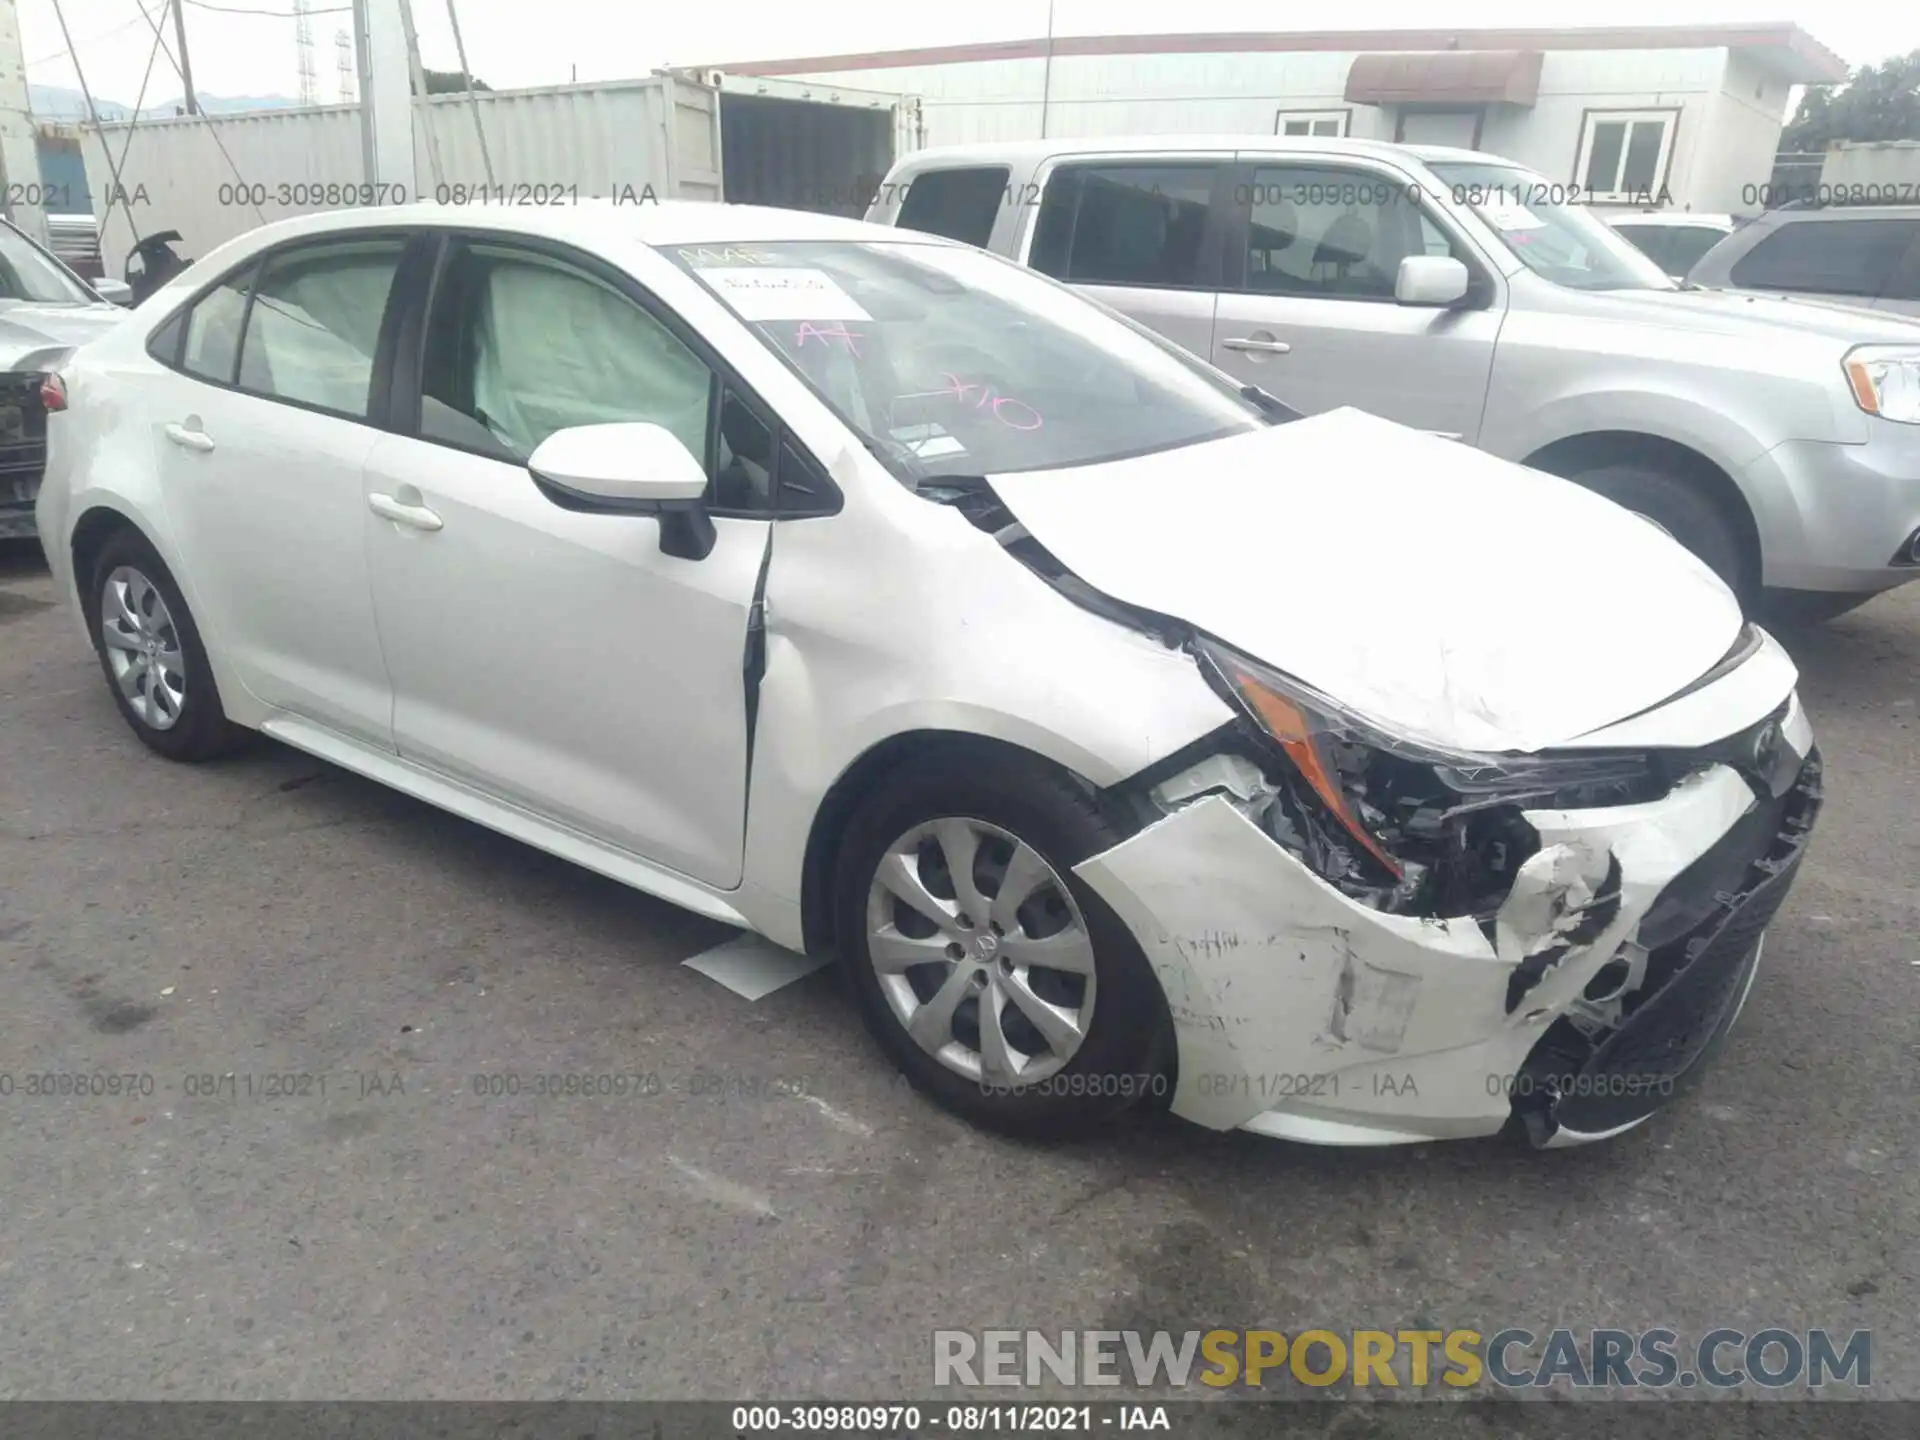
column 1449, row 77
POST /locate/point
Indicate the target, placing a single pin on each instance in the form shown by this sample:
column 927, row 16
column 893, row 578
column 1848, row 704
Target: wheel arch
column 1572, row 454
column 870, row 768
column 97, row 524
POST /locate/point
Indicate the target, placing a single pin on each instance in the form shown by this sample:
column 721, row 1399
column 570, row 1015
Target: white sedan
column 1126, row 736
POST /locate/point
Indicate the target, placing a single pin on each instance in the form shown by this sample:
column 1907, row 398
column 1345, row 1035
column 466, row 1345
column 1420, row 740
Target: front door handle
column 1258, row 345
column 189, row 437
column 401, row 513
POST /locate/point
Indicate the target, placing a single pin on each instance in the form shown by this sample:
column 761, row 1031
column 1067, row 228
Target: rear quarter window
column 955, row 204
column 1826, row 257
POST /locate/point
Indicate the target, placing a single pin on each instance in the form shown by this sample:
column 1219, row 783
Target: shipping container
column 692, row 135
column 1871, row 172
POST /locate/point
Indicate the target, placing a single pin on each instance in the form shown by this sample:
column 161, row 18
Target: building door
column 1458, row 128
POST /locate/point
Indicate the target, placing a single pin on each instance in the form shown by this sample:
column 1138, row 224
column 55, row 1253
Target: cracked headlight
column 1886, row 381
column 1413, row 809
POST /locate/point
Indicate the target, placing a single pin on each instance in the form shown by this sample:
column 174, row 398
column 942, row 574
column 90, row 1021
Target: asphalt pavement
column 300, row 1193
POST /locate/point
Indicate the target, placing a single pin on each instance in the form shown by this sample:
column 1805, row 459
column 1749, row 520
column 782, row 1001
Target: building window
column 1311, row 122
column 1624, row 153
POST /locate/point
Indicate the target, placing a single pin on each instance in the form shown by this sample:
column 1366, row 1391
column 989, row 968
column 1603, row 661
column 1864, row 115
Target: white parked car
column 1126, row 735
column 1673, row 239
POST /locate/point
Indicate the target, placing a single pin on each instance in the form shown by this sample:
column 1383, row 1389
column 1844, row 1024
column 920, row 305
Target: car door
column 556, row 659
column 1307, row 309
column 1142, row 235
column 265, row 416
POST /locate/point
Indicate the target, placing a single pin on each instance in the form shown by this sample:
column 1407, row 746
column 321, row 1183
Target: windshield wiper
column 1275, row 409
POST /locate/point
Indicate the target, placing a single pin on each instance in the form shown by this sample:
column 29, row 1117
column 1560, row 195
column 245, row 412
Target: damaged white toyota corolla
column 1125, row 735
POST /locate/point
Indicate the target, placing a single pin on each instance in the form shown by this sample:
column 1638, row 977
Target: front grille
column 23, row 451
column 1693, row 982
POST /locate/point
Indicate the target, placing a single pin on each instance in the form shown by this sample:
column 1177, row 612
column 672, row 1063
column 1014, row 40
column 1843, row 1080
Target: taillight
column 53, row 393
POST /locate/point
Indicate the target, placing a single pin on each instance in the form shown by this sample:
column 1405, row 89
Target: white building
column 1690, row 115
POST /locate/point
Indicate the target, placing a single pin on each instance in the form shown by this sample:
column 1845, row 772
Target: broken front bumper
column 1303, row 1014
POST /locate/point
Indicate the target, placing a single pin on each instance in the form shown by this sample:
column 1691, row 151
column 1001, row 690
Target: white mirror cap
column 626, row 463
column 1430, row 280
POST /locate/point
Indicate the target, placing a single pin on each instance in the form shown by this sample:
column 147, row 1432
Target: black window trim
column 1213, row 240
column 1481, row 290
column 378, row 386
column 407, row 378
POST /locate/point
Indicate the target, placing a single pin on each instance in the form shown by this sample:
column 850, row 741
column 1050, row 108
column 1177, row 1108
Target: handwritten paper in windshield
column 760, row 293
column 1509, row 216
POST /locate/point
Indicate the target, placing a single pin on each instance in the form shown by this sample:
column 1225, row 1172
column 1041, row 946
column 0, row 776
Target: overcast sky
column 513, row 43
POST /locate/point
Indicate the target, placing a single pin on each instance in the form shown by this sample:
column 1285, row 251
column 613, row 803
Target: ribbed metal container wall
column 215, row 178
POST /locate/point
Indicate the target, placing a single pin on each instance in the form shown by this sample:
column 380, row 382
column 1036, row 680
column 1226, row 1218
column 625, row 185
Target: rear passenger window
column 1140, row 225
column 213, row 329
column 1826, row 257
column 1689, row 245
column 1653, row 241
column 958, row 204
column 315, row 324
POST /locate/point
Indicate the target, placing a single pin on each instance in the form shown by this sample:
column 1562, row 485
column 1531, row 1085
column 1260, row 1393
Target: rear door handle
column 418, row 517
column 1258, row 347
column 189, row 438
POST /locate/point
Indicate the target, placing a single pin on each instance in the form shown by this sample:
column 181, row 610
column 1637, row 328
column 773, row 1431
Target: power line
column 104, row 34
column 276, row 14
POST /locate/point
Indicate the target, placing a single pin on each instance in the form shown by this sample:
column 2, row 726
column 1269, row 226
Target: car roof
column 1010, row 151
column 599, row 222
column 1675, row 217
column 1845, row 212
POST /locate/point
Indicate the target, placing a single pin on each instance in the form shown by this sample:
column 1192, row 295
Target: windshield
column 28, row 274
column 948, row 361
column 1557, row 240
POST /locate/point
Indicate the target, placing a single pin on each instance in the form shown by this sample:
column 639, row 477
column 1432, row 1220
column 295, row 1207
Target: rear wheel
column 1680, row 508
column 151, row 654
column 995, row 979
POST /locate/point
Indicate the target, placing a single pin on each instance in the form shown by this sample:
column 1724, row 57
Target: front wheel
column 995, row 979
column 1672, row 504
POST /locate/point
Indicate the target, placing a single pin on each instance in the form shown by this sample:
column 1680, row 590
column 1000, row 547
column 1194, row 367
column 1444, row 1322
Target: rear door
column 1307, row 309
column 272, row 400
column 1142, row 234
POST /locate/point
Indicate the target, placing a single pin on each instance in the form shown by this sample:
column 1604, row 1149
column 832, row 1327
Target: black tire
column 1812, row 607
column 1679, row 507
column 201, row 730
column 1124, row 1056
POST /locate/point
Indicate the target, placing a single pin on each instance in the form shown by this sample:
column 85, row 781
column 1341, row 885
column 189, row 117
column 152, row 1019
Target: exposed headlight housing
column 1402, row 825
column 1885, row 380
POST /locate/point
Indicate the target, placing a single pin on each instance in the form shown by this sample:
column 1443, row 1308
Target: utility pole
column 19, row 133
column 386, row 99
column 186, row 66
column 1046, row 83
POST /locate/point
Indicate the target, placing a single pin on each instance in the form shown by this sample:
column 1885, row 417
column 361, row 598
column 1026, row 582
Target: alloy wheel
column 981, row 951
column 143, row 647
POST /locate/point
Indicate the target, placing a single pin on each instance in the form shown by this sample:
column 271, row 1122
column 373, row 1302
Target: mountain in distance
column 65, row 103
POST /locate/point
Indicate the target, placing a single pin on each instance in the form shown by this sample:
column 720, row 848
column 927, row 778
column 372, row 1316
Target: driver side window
column 1334, row 234
column 521, row 345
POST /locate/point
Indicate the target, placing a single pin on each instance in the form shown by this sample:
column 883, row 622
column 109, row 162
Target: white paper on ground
column 759, row 293
column 752, row 966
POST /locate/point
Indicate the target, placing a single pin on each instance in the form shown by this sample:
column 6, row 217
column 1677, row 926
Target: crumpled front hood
column 26, row 327
column 1444, row 594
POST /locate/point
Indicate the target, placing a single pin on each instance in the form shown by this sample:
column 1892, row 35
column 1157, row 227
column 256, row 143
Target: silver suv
column 1865, row 257
column 1450, row 290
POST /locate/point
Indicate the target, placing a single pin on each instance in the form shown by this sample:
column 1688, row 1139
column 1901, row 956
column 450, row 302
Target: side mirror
column 1431, row 280
column 629, row 468
column 114, row 292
